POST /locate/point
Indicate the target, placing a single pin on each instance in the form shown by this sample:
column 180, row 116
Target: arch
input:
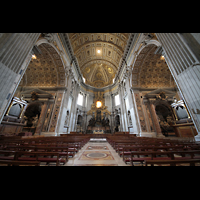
column 150, row 70
column 47, row 70
column 15, row 110
column 146, row 44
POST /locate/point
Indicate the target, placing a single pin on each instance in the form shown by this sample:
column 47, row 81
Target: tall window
column 117, row 100
column 80, row 99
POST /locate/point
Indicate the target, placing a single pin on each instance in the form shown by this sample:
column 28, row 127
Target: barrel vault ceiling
column 98, row 55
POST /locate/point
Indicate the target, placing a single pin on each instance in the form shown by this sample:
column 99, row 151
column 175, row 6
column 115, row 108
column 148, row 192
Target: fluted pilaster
column 14, row 59
column 184, row 65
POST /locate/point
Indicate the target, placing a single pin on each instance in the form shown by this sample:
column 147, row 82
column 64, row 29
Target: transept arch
column 47, row 70
column 150, row 69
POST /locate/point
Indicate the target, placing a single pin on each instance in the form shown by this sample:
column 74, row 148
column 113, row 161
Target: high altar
column 99, row 123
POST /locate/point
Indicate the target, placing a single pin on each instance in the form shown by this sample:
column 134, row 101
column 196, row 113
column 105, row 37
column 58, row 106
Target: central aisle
column 96, row 153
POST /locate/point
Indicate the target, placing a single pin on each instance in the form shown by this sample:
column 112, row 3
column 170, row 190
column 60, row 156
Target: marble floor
column 97, row 152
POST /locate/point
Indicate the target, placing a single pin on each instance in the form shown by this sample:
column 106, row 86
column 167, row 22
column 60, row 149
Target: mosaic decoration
column 56, row 113
column 97, row 147
column 96, row 155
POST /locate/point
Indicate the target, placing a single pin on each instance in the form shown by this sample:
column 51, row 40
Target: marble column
column 74, row 107
column 155, row 120
column 15, row 55
column 123, row 125
column 138, row 130
column 85, row 124
column 41, row 119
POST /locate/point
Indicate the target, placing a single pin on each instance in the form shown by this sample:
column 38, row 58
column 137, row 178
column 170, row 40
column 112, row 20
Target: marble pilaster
column 14, row 59
column 155, row 120
column 41, row 119
column 184, row 65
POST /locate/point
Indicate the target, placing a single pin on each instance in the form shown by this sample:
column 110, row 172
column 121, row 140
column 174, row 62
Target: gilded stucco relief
column 98, row 55
column 46, row 70
column 151, row 71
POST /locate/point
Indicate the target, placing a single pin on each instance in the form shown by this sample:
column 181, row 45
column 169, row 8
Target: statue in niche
column 129, row 118
column 116, row 129
column 66, row 118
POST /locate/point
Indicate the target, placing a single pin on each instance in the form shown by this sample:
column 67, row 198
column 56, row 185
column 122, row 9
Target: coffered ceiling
column 46, row 70
column 151, row 70
column 98, row 55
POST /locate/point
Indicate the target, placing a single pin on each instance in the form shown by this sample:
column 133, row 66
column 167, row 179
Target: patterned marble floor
column 96, row 154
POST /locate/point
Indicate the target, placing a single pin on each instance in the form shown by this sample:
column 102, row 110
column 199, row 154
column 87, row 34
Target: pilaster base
column 160, row 135
column 48, row 133
column 147, row 134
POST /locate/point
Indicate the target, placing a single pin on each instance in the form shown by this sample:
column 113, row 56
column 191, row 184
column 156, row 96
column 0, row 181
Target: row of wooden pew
column 19, row 151
column 156, row 151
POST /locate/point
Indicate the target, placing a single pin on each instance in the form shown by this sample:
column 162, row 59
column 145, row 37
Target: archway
column 150, row 70
column 150, row 73
column 46, row 72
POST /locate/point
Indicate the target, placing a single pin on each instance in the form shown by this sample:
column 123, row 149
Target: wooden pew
column 62, row 151
column 172, row 162
column 39, row 156
column 126, row 151
column 19, row 163
column 65, row 146
column 7, row 155
column 157, row 155
column 72, row 148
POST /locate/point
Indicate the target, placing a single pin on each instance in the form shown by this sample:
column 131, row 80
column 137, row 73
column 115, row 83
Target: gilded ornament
column 110, row 70
column 87, row 70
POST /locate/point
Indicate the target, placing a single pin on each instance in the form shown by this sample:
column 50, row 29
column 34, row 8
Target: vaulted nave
column 63, row 89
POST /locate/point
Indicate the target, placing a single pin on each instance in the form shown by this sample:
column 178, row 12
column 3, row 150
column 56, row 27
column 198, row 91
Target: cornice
column 128, row 50
column 67, row 45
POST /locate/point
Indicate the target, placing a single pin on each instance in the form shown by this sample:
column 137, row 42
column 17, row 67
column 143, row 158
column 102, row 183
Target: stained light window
column 80, row 99
column 117, row 100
